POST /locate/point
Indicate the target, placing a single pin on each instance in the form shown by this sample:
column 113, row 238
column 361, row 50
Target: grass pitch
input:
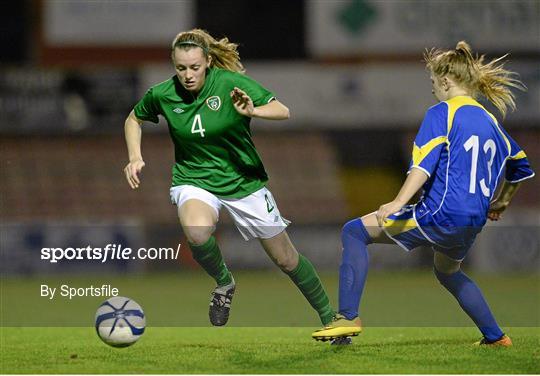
column 412, row 325
column 267, row 350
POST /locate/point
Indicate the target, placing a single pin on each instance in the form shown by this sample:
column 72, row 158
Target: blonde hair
column 490, row 79
column 224, row 53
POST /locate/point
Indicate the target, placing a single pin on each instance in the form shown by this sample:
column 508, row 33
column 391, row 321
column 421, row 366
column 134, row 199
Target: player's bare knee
column 280, row 263
column 198, row 234
column 287, row 259
column 287, row 263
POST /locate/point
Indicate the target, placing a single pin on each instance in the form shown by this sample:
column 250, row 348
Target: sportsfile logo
column 109, row 252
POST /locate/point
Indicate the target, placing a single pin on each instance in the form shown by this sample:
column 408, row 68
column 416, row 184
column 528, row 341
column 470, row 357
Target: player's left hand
column 242, row 102
column 387, row 210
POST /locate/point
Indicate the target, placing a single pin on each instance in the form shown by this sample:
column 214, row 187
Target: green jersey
column 212, row 141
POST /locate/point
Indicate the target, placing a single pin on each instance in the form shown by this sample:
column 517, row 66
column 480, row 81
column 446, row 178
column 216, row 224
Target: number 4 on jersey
column 197, row 127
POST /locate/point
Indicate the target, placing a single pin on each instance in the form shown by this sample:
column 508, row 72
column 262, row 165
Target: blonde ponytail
column 490, row 80
column 224, row 53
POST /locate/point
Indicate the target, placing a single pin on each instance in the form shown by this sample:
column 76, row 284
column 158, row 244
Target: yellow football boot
column 337, row 328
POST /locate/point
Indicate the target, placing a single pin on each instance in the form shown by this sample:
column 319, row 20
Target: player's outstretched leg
column 354, row 267
column 352, row 277
column 300, row 270
column 471, row 300
column 308, row 282
column 208, row 255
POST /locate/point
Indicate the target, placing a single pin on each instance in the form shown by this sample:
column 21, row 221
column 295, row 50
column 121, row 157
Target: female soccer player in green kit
column 208, row 106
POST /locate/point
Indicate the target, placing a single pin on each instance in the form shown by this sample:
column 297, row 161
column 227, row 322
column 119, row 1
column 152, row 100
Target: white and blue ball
column 120, row 321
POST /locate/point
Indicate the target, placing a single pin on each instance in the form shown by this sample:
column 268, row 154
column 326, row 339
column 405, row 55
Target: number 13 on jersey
column 489, row 147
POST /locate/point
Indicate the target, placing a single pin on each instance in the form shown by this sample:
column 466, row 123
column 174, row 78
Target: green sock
column 306, row 279
column 209, row 257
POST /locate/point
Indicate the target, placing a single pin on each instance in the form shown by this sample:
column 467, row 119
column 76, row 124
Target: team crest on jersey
column 213, row 103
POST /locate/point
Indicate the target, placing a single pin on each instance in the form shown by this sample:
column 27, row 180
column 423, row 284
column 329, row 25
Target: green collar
column 190, row 98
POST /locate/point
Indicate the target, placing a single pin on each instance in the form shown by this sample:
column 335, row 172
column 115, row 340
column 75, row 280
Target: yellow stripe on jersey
column 519, row 155
column 398, row 226
column 455, row 103
column 419, row 153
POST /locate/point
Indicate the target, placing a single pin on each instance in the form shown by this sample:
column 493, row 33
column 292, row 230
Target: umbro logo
column 269, row 204
column 178, row 110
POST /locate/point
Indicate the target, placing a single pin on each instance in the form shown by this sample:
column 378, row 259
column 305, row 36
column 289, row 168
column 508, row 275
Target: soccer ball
column 120, row 321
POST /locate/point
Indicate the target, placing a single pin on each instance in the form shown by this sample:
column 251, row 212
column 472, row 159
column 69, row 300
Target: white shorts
column 255, row 216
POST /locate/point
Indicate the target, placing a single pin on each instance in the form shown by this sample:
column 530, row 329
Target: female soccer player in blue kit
column 459, row 155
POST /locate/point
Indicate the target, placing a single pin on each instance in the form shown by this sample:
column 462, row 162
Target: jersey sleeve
column 517, row 164
column 258, row 93
column 147, row 108
column 430, row 140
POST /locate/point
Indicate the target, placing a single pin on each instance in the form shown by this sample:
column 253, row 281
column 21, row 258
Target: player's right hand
column 132, row 171
column 496, row 208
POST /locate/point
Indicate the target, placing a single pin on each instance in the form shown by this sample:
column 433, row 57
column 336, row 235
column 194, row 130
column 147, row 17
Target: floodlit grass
column 412, row 325
column 267, row 350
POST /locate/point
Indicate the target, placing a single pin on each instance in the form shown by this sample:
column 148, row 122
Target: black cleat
column 220, row 305
column 341, row 341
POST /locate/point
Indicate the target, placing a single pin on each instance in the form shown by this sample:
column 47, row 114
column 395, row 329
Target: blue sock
column 354, row 267
column 472, row 301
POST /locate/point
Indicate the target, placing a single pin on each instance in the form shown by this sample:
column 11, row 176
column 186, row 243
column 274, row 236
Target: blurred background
column 349, row 70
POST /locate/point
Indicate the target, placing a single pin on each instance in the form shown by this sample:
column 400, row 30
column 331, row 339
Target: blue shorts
column 415, row 226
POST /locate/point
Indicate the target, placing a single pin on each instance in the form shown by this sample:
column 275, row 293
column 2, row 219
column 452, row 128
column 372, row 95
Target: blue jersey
column 464, row 151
